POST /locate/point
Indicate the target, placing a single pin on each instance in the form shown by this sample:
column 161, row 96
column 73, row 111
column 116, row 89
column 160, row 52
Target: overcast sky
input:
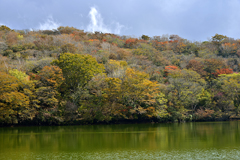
column 195, row 20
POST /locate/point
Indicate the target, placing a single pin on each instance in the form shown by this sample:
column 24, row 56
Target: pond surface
column 200, row 140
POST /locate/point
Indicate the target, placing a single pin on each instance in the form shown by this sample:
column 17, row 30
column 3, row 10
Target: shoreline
column 114, row 123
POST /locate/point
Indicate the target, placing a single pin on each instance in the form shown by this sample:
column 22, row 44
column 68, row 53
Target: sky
column 195, row 20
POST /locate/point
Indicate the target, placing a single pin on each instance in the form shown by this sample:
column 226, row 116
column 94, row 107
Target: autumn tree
column 218, row 38
column 222, row 71
column 67, row 29
column 184, row 87
column 48, row 82
column 134, row 90
column 145, row 37
column 196, row 66
column 14, row 103
column 228, row 49
column 77, row 71
column 131, row 42
column 11, row 38
column 68, row 48
column 5, row 28
column 170, row 69
column 231, row 88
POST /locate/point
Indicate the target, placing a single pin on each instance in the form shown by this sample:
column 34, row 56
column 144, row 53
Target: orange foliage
column 131, row 42
column 51, row 75
column 92, row 40
column 230, row 45
column 169, row 69
column 222, row 71
column 160, row 45
column 211, row 65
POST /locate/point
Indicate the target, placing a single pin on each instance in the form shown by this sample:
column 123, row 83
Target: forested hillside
column 68, row 76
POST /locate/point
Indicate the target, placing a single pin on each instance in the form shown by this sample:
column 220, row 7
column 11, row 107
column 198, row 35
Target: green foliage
column 162, row 78
column 18, row 74
column 67, row 30
column 145, row 49
column 145, row 37
column 78, row 69
column 184, row 89
column 5, row 28
column 217, row 38
column 230, row 85
column 36, row 66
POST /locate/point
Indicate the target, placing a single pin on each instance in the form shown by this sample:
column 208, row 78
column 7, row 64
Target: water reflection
column 113, row 138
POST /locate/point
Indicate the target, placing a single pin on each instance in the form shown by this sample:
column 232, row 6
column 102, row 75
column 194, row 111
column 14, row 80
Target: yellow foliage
column 14, row 105
column 20, row 37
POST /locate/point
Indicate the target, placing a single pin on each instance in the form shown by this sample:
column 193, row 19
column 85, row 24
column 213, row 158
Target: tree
column 5, row 28
column 196, row 66
column 67, row 29
column 222, row 71
column 184, row 89
column 230, row 85
column 11, row 38
column 217, row 41
column 228, row 49
column 218, row 38
column 18, row 74
column 77, row 71
column 131, row 42
column 68, row 48
column 169, row 69
column 3, row 47
column 210, row 66
column 48, row 82
column 145, row 37
column 138, row 95
column 14, row 103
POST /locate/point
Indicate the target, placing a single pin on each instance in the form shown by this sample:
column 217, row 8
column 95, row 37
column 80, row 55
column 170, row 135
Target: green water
column 202, row 140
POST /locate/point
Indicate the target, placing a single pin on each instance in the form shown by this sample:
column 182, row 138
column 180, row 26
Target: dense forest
column 68, row 76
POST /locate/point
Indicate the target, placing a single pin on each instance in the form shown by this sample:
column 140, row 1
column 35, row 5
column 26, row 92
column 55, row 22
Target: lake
column 196, row 140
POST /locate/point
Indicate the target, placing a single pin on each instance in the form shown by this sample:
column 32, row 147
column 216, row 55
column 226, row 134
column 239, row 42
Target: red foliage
column 160, row 45
column 129, row 43
column 223, row 71
column 170, row 68
column 130, row 40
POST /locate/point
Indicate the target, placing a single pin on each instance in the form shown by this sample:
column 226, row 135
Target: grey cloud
column 194, row 20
